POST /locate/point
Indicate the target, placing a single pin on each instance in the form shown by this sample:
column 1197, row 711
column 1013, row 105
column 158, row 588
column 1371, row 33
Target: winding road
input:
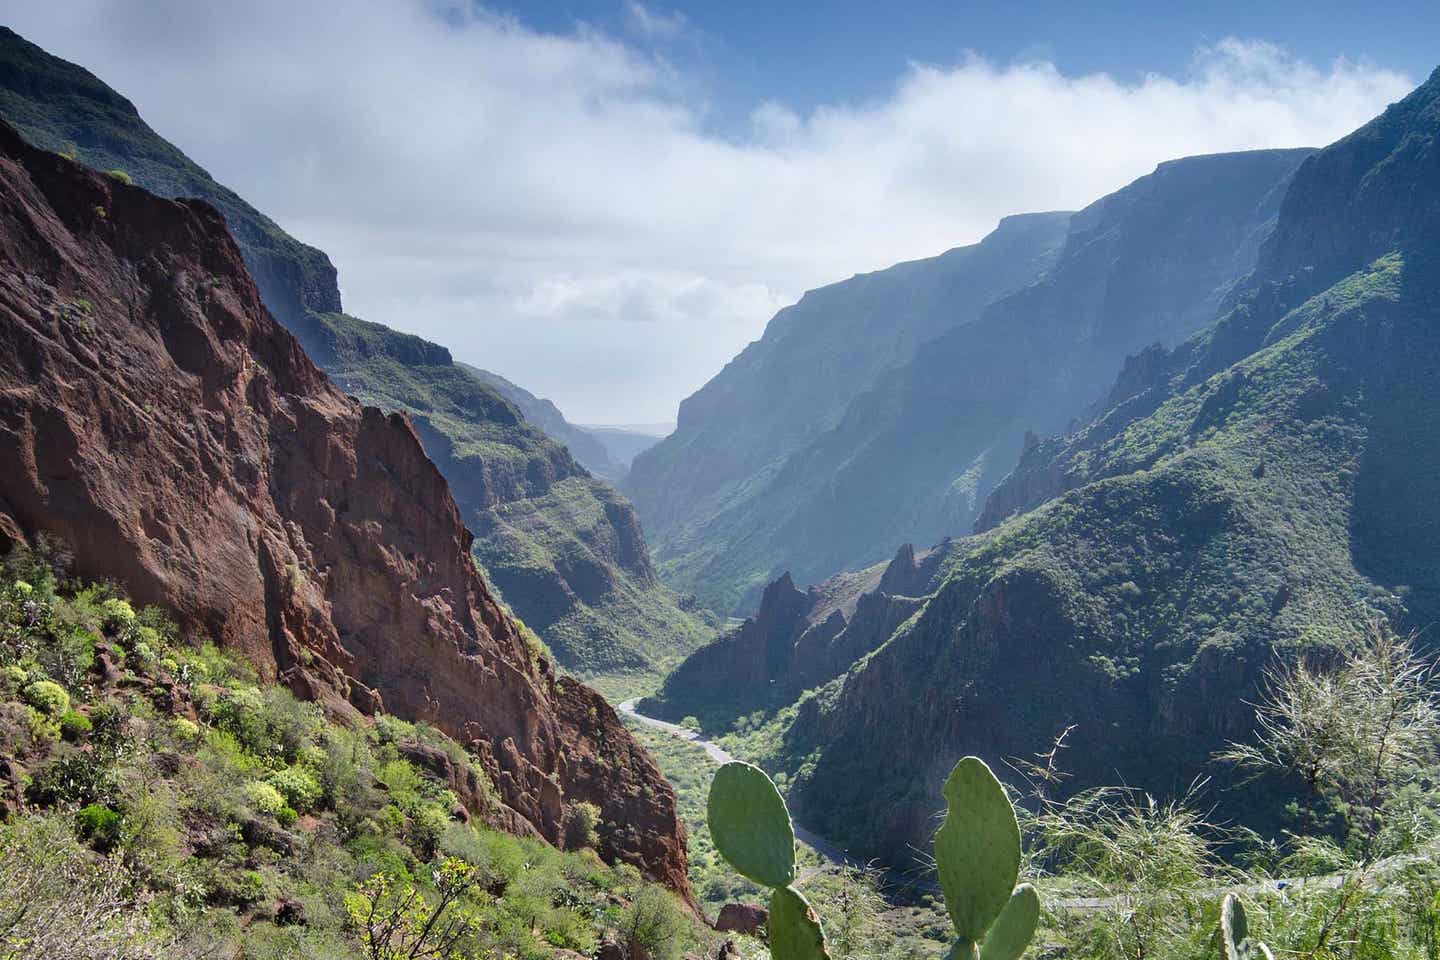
column 720, row 755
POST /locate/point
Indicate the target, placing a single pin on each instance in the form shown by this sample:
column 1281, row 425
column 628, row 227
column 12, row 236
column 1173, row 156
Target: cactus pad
column 750, row 825
column 977, row 849
column 1235, row 941
column 1013, row 929
column 795, row 932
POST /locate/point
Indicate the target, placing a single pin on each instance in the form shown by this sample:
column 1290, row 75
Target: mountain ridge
column 614, row 618
column 914, row 454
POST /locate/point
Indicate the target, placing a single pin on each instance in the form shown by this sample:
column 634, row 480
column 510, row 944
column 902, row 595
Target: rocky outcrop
column 746, row 918
column 798, row 639
column 156, row 418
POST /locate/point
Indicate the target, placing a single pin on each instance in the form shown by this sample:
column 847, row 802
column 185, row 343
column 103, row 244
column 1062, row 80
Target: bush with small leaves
column 120, row 176
column 299, row 787
column 117, row 612
column 79, row 778
column 99, row 826
column 75, row 725
column 185, row 729
column 14, row 676
column 264, row 798
column 581, row 821
column 654, row 926
column 47, row 696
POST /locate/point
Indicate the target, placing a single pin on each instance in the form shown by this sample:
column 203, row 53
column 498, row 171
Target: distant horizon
column 687, row 181
column 643, row 429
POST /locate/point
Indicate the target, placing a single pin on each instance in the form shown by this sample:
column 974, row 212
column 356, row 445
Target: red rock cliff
column 156, row 418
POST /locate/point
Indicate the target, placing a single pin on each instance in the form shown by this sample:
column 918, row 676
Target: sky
column 606, row 200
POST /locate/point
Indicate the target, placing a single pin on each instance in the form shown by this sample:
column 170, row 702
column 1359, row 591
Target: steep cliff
column 920, row 445
column 156, row 418
column 796, row 381
column 612, row 618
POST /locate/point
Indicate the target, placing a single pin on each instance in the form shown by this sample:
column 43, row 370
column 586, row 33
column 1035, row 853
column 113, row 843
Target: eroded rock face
column 799, row 639
column 155, row 417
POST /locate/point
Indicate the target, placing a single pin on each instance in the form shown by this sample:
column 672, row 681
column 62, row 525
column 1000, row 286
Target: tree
column 1357, row 727
column 397, row 921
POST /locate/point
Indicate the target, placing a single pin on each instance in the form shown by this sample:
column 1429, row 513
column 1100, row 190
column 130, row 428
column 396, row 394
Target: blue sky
column 605, row 202
column 745, row 51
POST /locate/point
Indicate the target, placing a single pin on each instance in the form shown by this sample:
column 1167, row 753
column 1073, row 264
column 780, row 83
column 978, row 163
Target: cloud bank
column 554, row 207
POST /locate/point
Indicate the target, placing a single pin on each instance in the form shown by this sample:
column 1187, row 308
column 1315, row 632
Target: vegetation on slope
column 160, row 802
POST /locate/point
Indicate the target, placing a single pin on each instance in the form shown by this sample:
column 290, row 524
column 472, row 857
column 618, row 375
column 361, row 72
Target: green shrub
column 47, row 696
column 76, row 778
column 14, row 676
column 581, row 821
column 427, row 824
column 653, row 925
column 74, row 725
column 120, row 175
column 98, row 825
column 185, row 729
column 264, row 798
column 117, row 612
column 299, row 787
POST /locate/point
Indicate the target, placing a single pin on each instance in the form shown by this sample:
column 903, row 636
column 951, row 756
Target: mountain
column 1257, row 492
column 625, row 443
column 591, row 452
column 745, row 426
column 918, row 447
column 564, row 549
column 158, row 421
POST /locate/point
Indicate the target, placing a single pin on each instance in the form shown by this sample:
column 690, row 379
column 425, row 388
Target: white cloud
column 653, row 22
column 552, row 207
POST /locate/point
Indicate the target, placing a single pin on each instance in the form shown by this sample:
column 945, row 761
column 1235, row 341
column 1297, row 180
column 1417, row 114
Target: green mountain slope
column 589, row 590
column 1259, row 492
column 583, row 445
column 162, row 802
column 917, row 448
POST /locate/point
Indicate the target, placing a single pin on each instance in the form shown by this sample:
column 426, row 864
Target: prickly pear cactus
column 750, row 825
column 977, row 849
column 795, row 932
column 1235, row 940
column 751, row 829
column 1013, row 929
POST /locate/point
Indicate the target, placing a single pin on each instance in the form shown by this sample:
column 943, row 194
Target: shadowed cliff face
column 156, row 418
column 914, row 448
column 797, row 639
